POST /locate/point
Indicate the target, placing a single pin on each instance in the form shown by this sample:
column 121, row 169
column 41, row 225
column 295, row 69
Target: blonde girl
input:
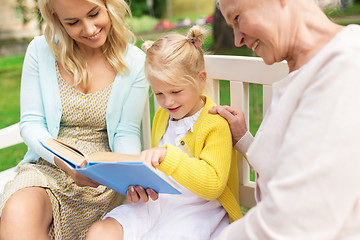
column 83, row 83
column 192, row 148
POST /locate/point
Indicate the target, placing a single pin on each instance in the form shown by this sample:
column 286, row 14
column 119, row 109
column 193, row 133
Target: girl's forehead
column 160, row 84
column 163, row 86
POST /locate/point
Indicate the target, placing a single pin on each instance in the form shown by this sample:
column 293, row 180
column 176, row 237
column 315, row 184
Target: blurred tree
column 150, row 5
column 223, row 34
column 140, row 7
column 159, row 8
column 29, row 10
column 23, row 9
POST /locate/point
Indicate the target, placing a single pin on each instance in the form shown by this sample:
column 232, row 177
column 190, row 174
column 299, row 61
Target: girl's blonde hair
column 176, row 59
column 66, row 51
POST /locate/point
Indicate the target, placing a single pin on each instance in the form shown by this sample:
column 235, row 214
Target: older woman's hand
column 235, row 118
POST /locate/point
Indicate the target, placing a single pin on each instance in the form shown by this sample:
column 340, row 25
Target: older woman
column 306, row 152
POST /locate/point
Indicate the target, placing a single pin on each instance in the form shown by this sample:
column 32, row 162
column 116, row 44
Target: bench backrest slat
column 241, row 72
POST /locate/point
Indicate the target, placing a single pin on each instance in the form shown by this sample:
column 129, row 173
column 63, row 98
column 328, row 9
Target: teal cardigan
column 41, row 109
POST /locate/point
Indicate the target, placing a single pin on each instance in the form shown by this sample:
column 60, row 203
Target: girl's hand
column 79, row 179
column 134, row 194
column 154, row 156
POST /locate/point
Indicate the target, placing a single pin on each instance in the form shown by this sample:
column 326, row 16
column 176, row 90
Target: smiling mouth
column 172, row 110
column 255, row 45
column 95, row 36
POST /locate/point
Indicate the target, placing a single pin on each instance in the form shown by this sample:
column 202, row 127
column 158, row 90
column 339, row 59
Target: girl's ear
column 202, row 79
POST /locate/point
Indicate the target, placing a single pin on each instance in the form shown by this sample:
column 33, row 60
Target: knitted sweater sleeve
column 206, row 173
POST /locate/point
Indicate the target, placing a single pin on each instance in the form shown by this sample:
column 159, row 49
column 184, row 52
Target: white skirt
column 185, row 216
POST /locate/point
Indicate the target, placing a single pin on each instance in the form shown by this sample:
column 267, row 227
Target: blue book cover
column 114, row 170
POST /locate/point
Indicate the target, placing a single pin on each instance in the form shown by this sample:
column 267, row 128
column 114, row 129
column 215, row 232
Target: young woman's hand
column 235, row 118
column 79, row 179
column 154, row 156
column 135, row 193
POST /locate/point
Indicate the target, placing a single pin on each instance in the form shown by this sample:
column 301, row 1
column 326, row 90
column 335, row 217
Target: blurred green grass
column 10, row 74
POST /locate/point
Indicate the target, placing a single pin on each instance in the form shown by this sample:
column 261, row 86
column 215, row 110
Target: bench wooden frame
column 238, row 70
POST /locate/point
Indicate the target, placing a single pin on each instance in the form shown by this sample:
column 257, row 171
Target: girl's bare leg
column 108, row 229
column 26, row 215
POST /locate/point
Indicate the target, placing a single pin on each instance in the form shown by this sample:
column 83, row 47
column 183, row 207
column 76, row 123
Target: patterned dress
column 83, row 125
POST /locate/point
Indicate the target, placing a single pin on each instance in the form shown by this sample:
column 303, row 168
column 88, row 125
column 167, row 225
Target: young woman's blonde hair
column 66, row 51
column 176, row 59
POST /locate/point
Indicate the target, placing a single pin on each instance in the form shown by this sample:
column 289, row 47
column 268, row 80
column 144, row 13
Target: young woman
column 83, row 83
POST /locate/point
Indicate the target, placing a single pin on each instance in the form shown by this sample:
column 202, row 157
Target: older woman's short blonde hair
column 65, row 50
column 321, row 3
column 328, row 3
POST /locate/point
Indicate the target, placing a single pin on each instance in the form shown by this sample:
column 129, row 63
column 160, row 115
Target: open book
column 114, row 170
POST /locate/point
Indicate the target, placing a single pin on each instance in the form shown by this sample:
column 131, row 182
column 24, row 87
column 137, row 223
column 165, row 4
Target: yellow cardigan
column 209, row 169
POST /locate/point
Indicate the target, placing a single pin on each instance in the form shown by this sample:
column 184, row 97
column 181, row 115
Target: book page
column 66, row 151
column 113, row 157
column 117, row 157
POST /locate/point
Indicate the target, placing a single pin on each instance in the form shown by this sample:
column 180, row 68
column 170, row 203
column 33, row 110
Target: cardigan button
column 182, row 142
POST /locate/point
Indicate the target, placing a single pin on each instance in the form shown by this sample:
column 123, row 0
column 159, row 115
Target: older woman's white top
column 307, row 151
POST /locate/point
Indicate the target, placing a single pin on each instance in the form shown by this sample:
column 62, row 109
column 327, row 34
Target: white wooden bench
column 239, row 71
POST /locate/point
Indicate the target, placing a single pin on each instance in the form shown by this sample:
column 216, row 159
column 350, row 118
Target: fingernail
column 132, row 189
